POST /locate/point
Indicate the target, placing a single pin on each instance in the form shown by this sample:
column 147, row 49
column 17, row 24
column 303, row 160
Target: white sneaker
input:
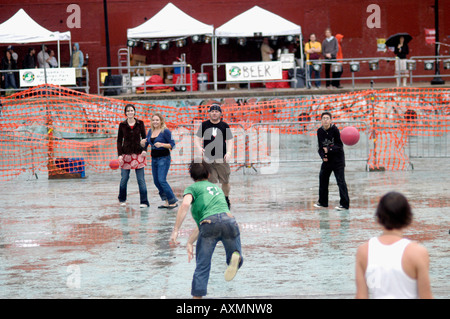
column 233, row 266
column 123, row 203
column 341, row 208
column 318, row 205
column 143, row 206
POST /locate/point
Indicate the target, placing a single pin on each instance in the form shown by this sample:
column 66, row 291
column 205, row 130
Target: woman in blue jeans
column 132, row 155
column 160, row 139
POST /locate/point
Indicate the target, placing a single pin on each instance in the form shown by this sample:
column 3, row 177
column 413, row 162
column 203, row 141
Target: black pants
column 324, row 180
column 334, row 75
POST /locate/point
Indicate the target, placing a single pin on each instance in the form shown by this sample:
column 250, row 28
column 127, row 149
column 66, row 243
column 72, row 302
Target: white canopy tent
column 170, row 22
column 256, row 21
column 22, row 29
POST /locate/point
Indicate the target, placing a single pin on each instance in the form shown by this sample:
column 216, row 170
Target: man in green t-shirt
column 215, row 223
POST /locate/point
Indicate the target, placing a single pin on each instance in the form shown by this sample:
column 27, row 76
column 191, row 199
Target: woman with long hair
column 132, row 155
column 160, row 139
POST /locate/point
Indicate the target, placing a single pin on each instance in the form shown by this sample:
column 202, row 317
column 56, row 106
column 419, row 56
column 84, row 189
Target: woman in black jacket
column 132, row 155
column 331, row 150
column 9, row 64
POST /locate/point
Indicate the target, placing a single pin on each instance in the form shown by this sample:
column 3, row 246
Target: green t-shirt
column 208, row 199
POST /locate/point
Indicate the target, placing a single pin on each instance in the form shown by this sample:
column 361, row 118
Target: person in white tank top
column 390, row 266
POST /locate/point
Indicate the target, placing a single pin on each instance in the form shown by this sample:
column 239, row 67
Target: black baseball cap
column 215, row 107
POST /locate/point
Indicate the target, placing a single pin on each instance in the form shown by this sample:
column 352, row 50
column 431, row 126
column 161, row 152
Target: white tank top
column 385, row 277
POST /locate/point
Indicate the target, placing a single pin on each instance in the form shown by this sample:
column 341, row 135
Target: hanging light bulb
column 181, row 43
column 223, row 41
column 242, row 41
column 164, row 45
column 354, row 66
column 196, row 38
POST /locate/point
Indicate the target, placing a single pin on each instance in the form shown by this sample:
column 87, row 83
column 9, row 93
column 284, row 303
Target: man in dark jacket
column 331, row 150
column 29, row 62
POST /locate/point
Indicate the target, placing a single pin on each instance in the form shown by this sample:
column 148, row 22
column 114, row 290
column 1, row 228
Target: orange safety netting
column 62, row 132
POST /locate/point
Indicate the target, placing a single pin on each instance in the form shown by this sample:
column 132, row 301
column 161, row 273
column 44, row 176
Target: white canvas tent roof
column 257, row 20
column 21, row 28
column 169, row 22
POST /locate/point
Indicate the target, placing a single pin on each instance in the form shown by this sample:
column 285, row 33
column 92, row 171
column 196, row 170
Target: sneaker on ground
column 123, row 203
column 341, row 208
column 143, row 205
column 233, row 266
column 318, row 205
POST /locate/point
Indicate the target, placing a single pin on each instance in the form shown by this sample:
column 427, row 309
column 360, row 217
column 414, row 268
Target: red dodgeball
column 349, row 135
column 114, row 164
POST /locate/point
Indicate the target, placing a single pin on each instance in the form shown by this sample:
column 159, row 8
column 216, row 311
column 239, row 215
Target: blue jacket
column 163, row 137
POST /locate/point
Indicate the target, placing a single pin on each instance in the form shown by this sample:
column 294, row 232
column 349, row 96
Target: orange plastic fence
column 50, row 128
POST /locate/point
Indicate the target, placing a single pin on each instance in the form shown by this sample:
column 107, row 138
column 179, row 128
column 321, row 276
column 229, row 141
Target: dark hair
column 198, row 170
column 127, row 106
column 393, row 211
column 326, row 113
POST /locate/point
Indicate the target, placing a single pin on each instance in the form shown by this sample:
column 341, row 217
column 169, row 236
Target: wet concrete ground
column 70, row 239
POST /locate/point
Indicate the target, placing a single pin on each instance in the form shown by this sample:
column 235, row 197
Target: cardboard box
column 149, row 71
column 232, row 86
column 137, row 59
column 168, row 70
column 157, row 71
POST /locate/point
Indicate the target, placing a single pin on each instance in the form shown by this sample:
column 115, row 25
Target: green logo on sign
column 28, row 77
column 235, row 72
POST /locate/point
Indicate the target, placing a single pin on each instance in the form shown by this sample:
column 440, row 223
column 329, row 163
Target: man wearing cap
column 14, row 55
column 216, row 147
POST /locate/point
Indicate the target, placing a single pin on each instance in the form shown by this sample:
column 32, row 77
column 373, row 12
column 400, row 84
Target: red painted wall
column 347, row 17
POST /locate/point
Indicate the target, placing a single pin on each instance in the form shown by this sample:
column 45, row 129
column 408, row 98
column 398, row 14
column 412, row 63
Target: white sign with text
column 250, row 71
column 57, row 76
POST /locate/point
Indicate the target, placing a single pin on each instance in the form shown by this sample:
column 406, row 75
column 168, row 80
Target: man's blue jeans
column 316, row 76
column 125, row 173
column 160, row 169
column 222, row 227
column 10, row 81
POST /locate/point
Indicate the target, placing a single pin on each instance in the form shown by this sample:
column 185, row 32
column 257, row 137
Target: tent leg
column 59, row 54
column 214, row 44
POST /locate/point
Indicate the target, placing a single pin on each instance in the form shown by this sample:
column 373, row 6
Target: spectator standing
column 14, row 54
column 313, row 50
column 52, row 60
column 8, row 64
column 401, row 51
column 339, row 57
column 329, row 50
column 29, row 62
column 266, row 50
column 43, row 58
column 77, row 61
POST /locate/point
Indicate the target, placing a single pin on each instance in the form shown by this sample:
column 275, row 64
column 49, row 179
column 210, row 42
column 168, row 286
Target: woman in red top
column 132, row 155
